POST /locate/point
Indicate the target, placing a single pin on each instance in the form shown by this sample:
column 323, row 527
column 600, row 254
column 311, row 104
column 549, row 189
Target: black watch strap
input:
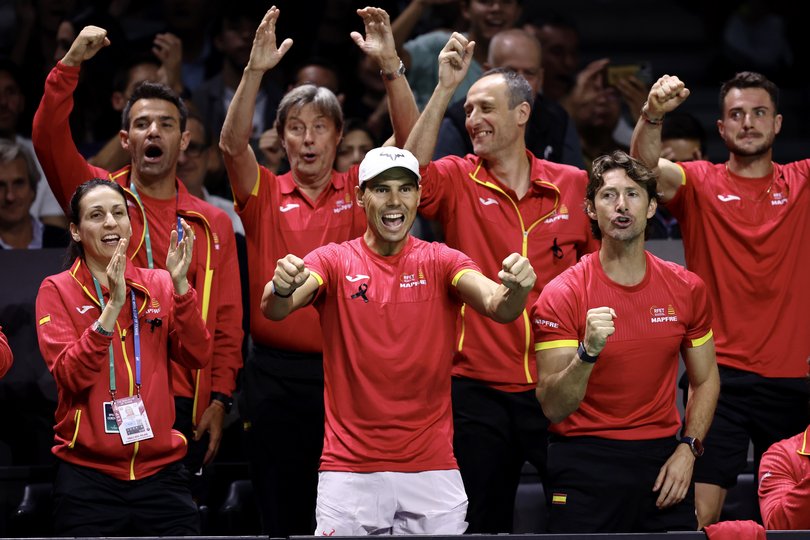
column 226, row 400
column 584, row 356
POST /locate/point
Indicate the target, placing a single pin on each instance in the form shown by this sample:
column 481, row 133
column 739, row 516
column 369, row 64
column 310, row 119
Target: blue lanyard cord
column 136, row 338
column 147, row 238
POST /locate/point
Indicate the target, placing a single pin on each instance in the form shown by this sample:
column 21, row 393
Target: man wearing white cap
column 388, row 304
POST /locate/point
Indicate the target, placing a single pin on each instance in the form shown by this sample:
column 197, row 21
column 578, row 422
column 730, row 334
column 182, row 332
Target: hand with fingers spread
column 89, row 41
column 265, row 54
column 178, row 259
column 598, row 327
column 517, row 273
column 666, row 95
column 454, row 60
column 168, row 48
column 290, row 274
column 378, row 42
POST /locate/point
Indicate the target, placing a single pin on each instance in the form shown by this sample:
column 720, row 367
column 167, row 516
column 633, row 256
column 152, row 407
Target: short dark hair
column 518, row 89
column 682, row 125
column 749, row 79
column 152, row 90
column 75, row 248
column 122, row 75
column 618, row 159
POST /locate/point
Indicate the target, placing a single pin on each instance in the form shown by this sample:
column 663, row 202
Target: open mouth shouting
column 622, row 222
column 393, row 221
column 110, row 239
column 152, row 153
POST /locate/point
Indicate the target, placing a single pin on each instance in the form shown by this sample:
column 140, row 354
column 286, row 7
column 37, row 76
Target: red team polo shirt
column 388, row 325
column 631, row 391
column 486, row 220
column 749, row 239
column 279, row 219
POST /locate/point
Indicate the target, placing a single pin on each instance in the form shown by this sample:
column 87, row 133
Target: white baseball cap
column 379, row 160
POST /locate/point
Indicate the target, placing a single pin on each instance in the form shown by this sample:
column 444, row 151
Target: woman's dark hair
column 75, row 248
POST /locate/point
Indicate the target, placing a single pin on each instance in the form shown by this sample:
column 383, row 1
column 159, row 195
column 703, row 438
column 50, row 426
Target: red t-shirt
column 749, row 239
column 631, row 390
column 279, row 219
column 484, row 219
column 387, row 360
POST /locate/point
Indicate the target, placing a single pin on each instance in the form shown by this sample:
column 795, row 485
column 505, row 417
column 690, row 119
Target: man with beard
column 746, row 228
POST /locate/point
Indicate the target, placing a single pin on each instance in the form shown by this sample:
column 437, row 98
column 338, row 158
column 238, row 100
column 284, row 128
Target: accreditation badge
column 133, row 423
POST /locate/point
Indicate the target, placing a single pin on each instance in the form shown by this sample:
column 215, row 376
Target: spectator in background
column 192, row 168
column 550, row 133
column 355, row 143
column 746, row 228
column 19, row 179
column 312, row 205
column 6, row 358
column 232, row 39
column 420, row 55
column 12, row 105
column 493, row 202
column 682, row 139
column 559, row 40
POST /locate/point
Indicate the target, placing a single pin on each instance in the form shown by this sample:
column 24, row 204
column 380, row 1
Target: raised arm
column 562, row 376
column 63, row 165
column 234, row 141
column 505, row 302
column 454, row 61
column 704, row 386
column 378, row 44
column 291, row 288
column 665, row 96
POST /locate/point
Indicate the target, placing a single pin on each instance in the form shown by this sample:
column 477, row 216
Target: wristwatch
column 694, row 445
column 100, row 329
column 584, row 356
column 394, row 75
column 226, row 400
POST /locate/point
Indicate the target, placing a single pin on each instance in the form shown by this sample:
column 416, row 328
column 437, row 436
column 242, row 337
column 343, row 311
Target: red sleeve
column 438, row 184
column 63, row 165
column 455, row 262
column 6, row 358
column 318, row 261
column 75, row 356
column 686, row 195
column 701, row 323
column 555, row 317
column 227, row 358
column 784, row 487
column 189, row 341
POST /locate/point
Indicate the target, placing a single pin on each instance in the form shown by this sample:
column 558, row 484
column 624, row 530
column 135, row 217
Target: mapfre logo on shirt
column 342, row 205
column 542, row 322
column 154, row 307
column 560, row 214
column 663, row 315
column 778, row 199
column 406, row 281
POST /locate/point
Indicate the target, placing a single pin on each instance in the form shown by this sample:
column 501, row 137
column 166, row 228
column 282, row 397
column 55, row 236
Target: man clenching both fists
column 388, row 305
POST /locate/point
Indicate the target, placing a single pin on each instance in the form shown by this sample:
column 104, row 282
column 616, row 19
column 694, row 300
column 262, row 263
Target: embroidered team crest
column 662, row 315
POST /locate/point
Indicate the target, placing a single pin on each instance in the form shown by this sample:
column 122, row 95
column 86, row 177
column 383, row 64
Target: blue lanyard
column 136, row 337
column 147, row 238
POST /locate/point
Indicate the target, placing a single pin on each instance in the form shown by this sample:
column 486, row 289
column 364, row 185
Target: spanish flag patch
column 559, row 498
column 45, row 320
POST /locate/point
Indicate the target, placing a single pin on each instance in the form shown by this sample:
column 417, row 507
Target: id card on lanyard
column 126, row 416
